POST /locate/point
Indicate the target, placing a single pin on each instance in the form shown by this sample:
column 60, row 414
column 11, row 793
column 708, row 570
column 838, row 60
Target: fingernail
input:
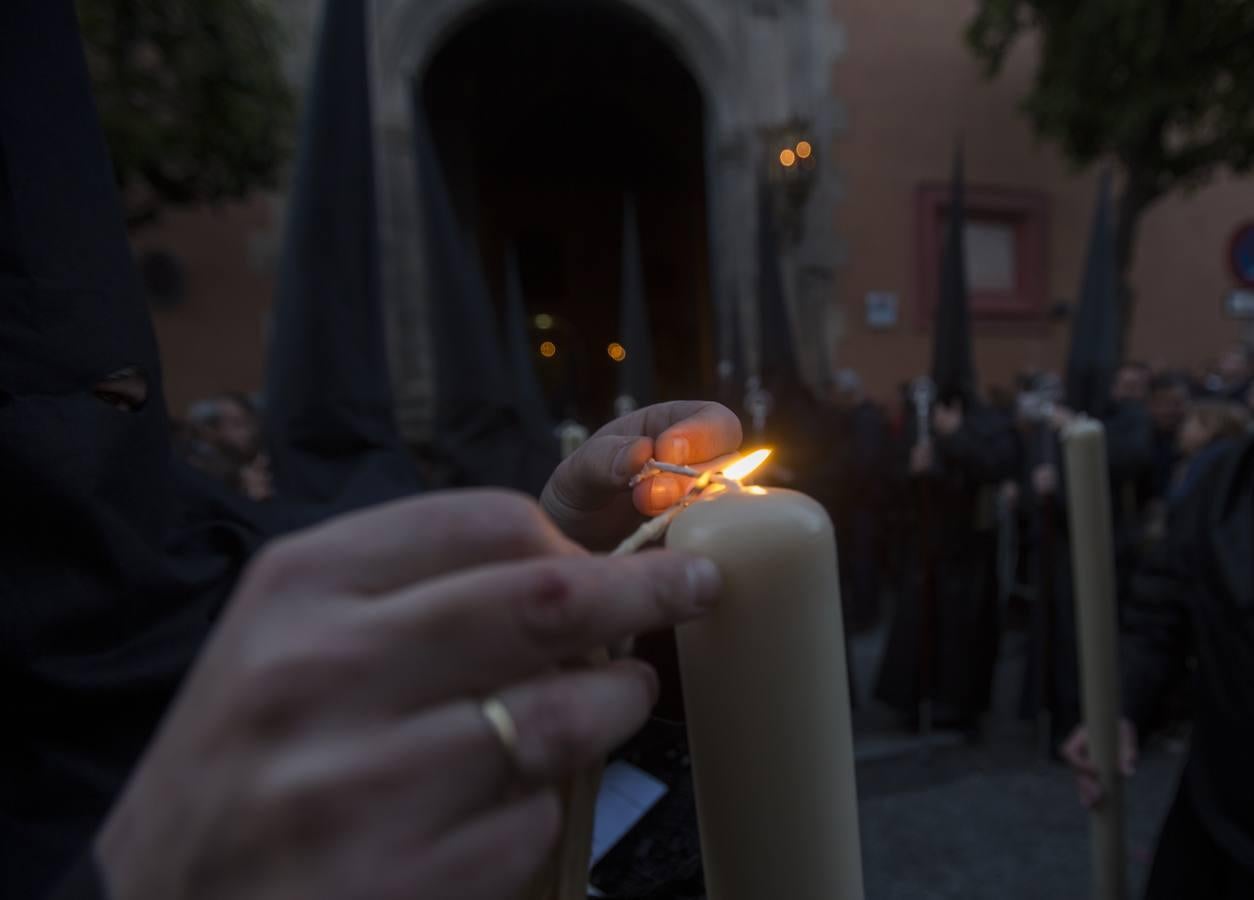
column 663, row 491
column 649, row 676
column 705, row 581
column 622, row 462
column 674, row 450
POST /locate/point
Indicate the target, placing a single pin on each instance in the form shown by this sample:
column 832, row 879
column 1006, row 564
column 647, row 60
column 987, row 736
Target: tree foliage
column 1163, row 87
column 192, row 97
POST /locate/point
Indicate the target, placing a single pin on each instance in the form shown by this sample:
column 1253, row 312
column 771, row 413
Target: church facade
column 843, row 115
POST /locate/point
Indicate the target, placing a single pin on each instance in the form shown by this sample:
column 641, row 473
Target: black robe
column 1051, row 679
column 114, row 557
column 952, row 552
column 1193, row 596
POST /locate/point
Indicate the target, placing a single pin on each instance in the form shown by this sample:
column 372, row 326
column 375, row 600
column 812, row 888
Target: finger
column 492, row 858
column 701, row 434
column 1076, row 754
column 655, row 495
column 472, row 632
column 1090, row 791
column 597, row 473
column 567, row 721
column 391, row 546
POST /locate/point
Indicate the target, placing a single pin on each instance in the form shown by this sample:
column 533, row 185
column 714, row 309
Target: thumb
column 596, row 473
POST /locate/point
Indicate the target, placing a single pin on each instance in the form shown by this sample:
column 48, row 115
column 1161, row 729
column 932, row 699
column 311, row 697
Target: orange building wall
column 911, row 90
column 214, row 340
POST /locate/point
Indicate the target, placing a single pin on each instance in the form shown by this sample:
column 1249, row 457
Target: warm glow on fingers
column 746, row 466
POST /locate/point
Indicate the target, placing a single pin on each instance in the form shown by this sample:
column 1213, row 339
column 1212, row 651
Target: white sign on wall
column 883, row 309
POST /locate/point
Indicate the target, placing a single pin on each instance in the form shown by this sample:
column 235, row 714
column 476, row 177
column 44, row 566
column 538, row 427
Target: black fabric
column 953, row 364
column 541, row 451
column 779, row 369
column 329, row 421
column 479, row 434
column 85, row 882
column 1094, row 353
column 1052, row 679
column 1194, row 597
column 953, row 555
column 113, row 558
column 1188, row 862
column 635, row 373
column 853, row 467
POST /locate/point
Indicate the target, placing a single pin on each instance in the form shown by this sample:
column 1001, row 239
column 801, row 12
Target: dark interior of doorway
column 547, row 115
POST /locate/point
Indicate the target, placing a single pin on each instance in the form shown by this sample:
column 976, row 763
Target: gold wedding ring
column 503, row 727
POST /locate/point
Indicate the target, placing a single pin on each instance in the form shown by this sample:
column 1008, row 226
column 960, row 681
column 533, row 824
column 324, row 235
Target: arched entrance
column 548, row 116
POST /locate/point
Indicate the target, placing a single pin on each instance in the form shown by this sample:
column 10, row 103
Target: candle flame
column 746, row 465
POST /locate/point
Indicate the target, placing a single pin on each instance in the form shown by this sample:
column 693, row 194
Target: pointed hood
column 542, row 446
column 635, row 373
column 73, row 307
column 779, row 355
column 329, row 416
column 110, row 580
column 478, row 428
column 953, row 365
column 1094, row 354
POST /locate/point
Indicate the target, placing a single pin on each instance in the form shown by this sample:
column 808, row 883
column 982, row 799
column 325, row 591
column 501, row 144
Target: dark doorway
column 547, row 115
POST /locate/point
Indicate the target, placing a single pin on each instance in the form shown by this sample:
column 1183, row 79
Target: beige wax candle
column 1093, row 568
column 767, row 699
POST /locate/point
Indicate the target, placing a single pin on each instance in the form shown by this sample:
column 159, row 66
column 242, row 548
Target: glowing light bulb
column 544, row 321
column 787, row 158
column 548, row 349
column 804, row 149
column 616, row 351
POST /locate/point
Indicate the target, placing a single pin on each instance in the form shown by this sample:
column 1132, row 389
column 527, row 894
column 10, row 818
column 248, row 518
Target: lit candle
column 1093, row 565
column 767, row 699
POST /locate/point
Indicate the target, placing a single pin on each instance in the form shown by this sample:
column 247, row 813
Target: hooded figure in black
column 329, row 420
column 115, row 557
column 943, row 642
column 1193, row 598
column 1051, row 682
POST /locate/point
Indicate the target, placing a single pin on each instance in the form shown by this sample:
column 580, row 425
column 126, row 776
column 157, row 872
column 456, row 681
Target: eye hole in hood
column 125, row 390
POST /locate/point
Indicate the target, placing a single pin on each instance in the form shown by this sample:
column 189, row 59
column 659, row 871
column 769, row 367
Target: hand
column 946, row 419
column 1061, row 417
column 1078, row 755
column 256, row 480
column 921, row 459
column 1045, row 480
column 330, row 740
column 588, row 496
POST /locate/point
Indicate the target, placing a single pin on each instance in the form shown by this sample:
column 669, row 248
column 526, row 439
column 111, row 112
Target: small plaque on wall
column 1239, row 304
column 882, row 310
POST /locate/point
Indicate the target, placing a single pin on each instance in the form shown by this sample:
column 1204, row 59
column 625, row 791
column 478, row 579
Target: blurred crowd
column 952, row 525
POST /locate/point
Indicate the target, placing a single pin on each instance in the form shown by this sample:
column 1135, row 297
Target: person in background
column 1231, row 376
column 857, row 436
column 1193, row 599
column 942, row 645
column 1169, row 399
column 230, row 424
column 1208, row 429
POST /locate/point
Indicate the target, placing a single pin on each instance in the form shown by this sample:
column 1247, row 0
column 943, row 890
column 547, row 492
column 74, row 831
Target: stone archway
column 748, row 65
